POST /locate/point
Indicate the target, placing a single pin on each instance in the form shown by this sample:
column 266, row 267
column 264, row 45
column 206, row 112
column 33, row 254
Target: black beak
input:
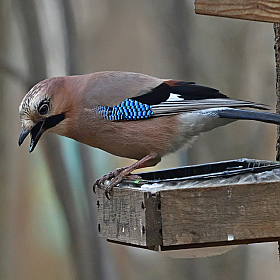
column 22, row 136
column 38, row 129
column 36, row 133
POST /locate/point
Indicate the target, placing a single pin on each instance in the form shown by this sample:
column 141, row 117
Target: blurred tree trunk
column 11, row 169
column 86, row 251
column 4, row 250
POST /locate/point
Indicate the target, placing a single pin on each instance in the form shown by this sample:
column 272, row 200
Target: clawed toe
column 113, row 175
column 101, row 182
column 108, row 191
column 97, row 184
column 108, row 187
column 115, row 178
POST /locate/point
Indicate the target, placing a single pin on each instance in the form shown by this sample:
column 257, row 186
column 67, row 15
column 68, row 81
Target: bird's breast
column 131, row 139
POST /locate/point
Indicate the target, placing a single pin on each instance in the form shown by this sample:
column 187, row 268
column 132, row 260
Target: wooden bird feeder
column 193, row 207
column 182, row 214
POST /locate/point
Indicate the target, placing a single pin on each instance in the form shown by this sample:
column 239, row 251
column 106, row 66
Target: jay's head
column 43, row 109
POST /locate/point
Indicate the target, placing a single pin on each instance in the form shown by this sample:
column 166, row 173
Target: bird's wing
column 188, row 97
column 173, row 107
column 110, row 88
column 133, row 96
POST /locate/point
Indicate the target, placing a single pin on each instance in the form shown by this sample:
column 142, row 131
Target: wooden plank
column 131, row 216
column 122, row 217
column 191, row 217
column 210, row 215
column 276, row 28
column 152, row 206
column 259, row 10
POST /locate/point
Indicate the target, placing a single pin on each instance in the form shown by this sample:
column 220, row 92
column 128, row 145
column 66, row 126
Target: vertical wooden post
column 277, row 59
column 276, row 27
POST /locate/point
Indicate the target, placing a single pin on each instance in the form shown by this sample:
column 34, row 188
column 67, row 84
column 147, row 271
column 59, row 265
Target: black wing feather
column 192, row 91
column 185, row 90
column 157, row 95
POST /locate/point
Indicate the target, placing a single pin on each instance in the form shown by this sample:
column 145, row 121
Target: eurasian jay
column 130, row 115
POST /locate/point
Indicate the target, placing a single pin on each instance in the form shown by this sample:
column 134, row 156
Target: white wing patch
column 174, row 97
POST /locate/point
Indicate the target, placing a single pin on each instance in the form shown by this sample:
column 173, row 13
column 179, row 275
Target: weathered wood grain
column 276, row 28
column 152, row 206
column 191, row 217
column 122, row 217
column 219, row 214
column 259, row 10
column 130, row 216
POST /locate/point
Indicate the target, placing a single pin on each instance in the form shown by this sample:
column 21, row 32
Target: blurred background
column 47, row 217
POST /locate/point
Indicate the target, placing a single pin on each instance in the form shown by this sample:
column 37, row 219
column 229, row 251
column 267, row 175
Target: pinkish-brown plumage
column 129, row 114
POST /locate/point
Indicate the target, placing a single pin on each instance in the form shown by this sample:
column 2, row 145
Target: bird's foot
column 115, row 181
column 101, row 181
column 125, row 172
column 115, row 178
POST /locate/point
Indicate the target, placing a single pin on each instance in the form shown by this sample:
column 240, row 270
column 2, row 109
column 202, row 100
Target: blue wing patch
column 128, row 110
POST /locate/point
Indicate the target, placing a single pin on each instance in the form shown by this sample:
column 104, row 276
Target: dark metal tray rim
column 262, row 165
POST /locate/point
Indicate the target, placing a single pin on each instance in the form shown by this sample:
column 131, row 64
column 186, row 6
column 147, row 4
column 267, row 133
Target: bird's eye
column 43, row 109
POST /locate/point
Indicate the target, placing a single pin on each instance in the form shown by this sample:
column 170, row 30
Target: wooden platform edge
column 198, row 245
column 260, row 10
column 191, row 217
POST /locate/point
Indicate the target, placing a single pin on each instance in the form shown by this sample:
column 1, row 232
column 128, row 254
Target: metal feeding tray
column 208, row 171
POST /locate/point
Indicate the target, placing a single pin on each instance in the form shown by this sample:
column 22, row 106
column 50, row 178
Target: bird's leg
column 144, row 162
column 119, row 174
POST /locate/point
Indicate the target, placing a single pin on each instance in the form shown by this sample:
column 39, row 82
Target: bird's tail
column 239, row 114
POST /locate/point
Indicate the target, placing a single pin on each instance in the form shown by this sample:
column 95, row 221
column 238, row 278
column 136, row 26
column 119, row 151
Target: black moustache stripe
column 53, row 121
